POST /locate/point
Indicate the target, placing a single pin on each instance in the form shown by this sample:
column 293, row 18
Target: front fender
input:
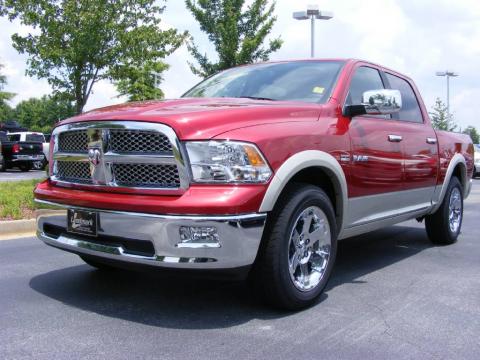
column 303, row 160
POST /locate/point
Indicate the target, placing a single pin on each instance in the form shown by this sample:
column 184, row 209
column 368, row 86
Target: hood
column 204, row 118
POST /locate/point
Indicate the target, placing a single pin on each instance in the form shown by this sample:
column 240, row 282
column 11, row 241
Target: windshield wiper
column 255, row 98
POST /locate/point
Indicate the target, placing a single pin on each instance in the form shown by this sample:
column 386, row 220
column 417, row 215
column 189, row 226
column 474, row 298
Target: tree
column 75, row 43
column 141, row 83
column 472, row 131
column 440, row 119
column 5, row 109
column 237, row 34
column 41, row 114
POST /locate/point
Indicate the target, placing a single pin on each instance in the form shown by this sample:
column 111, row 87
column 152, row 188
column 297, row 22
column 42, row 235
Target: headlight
column 227, row 162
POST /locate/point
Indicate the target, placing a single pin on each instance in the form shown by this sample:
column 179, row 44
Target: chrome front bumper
column 239, row 238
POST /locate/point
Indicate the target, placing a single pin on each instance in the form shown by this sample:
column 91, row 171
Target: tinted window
column 14, row 137
column 35, row 138
column 309, row 81
column 364, row 79
column 410, row 110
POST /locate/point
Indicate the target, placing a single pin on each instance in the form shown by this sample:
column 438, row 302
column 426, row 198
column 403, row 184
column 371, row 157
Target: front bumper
column 476, row 169
column 119, row 232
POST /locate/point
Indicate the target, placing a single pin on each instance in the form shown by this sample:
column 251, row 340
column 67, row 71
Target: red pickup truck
column 258, row 170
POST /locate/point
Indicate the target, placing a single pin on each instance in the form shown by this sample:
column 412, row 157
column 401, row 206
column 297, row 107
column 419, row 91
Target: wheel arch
column 457, row 167
column 313, row 167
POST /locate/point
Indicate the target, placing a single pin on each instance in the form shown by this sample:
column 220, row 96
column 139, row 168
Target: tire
column 440, row 229
column 25, row 167
column 272, row 275
column 96, row 264
column 3, row 165
column 38, row 165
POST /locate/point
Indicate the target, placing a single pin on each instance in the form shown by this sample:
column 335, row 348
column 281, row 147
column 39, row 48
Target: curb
column 11, row 229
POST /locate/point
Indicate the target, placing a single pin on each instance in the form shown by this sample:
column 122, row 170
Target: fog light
column 198, row 237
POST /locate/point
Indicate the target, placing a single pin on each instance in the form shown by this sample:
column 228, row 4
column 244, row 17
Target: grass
column 16, row 199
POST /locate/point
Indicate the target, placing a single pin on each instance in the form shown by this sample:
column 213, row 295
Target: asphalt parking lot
column 392, row 295
column 17, row 175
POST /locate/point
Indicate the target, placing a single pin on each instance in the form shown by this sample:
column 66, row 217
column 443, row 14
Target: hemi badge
column 345, row 158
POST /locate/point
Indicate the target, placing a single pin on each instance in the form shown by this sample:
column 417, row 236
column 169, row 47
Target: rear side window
column 410, row 110
column 364, row 79
column 35, row 138
column 14, row 137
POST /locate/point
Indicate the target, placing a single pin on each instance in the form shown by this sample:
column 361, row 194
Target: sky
column 414, row 37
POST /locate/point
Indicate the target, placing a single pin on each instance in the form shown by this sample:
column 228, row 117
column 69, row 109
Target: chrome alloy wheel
column 455, row 210
column 309, row 248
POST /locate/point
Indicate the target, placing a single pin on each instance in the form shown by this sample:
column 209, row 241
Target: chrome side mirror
column 376, row 102
column 382, row 102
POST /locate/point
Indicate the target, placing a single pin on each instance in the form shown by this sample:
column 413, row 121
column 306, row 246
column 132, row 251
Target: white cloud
column 411, row 36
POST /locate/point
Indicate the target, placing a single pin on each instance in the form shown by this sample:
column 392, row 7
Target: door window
column 410, row 110
column 364, row 79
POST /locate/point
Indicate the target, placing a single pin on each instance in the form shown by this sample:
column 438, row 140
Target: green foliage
column 74, row 44
column 5, row 109
column 41, row 114
column 237, row 34
column 141, row 83
column 16, row 199
column 472, row 131
column 439, row 117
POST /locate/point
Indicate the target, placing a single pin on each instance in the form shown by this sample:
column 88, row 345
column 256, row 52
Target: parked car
column 477, row 160
column 21, row 150
column 3, row 138
column 256, row 171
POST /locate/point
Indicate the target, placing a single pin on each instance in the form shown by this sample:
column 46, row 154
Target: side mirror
column 376, row 102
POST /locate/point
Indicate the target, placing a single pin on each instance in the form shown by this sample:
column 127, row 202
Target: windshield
column 309, row 81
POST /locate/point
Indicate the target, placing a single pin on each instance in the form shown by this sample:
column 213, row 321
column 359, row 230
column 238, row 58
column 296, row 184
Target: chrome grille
column 135, row 141
column 146, row 175
column 73, row 141
column 74, row 171
column 119, row 154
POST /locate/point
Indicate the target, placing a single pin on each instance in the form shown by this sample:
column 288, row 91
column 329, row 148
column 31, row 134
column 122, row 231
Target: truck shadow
column 184, row 303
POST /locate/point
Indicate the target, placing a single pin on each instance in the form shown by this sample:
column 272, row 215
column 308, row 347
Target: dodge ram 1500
column 259, row 170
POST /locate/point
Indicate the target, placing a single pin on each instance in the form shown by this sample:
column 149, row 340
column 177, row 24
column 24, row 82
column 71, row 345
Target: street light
column 448, row 75
column 312, row 13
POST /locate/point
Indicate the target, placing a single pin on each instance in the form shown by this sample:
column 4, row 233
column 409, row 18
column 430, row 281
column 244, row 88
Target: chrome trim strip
column 239, row 237
column 241, row 217
column 102, row 175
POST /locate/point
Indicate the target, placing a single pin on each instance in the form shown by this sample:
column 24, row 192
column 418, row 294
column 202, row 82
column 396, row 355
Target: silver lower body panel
column 239, row 238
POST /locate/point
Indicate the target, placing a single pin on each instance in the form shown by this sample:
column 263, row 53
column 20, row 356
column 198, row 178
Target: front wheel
column 443, row 227
column 299, row 249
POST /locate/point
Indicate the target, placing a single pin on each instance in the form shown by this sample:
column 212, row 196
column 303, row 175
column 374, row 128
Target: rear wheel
column 3, row 165
column 298, row 255
column 443, row 227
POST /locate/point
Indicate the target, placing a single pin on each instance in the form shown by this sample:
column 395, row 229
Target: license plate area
column 82, row 222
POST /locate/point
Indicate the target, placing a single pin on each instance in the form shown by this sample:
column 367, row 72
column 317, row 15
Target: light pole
column 448, row 75
column 312, row 13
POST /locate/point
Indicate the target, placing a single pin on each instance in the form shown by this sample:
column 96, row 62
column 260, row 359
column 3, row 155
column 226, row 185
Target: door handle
column 395, row 138
column 431, row 140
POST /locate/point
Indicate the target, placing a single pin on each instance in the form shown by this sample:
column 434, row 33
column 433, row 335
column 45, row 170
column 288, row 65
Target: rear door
column 419, row 144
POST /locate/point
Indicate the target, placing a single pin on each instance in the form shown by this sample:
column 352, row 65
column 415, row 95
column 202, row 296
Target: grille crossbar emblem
column 94, row 156
column 97, row 144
